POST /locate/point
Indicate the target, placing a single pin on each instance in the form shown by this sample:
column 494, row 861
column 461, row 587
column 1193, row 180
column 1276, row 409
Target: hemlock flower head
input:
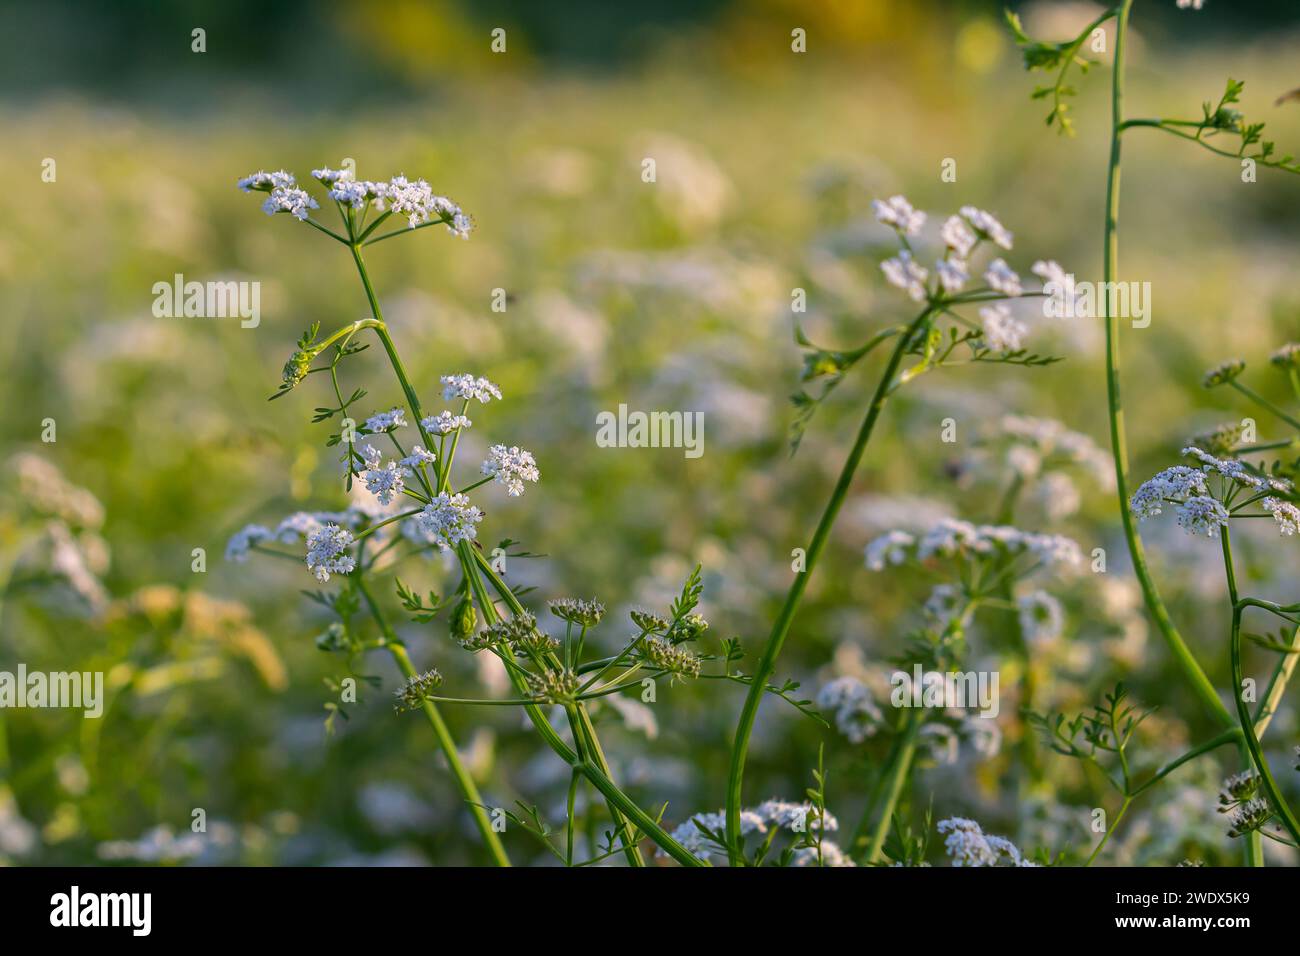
column 297, row 202
column 952, row 274
column 1190, row 4
column 576, row 611
column 987, row 226
column 354, row 193
column 448, row 520
column 1002, row 278
column 327, row 552
column 1202, row 515
column 1288, row 356
column 957, row 236
column 418, row 457
column 511, row 467
column 262, row 181
column 856, row 715
column 242, row 541
column 1002, row 332
column 968, row 845
column 889, row 548
column 1178, row 482
column 1041, row 618
column 328, row 177
column 904, row 273
column 466, row 386
column 693, row 834
column 952, row 537
column 1224, row 373
column 798, row 817
column 898, row 213
column 386, row 421
column 413, row 693
column 831, row 855
column 1284, row 513
column 444, row 423
column 387, row 482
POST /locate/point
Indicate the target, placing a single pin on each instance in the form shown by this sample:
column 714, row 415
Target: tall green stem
column 1192, row 671
column 767, row 664
column 446, row 743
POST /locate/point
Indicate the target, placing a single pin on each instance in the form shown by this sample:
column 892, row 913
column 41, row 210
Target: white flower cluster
column 448, row 520
column 511, row 467
column 444, row 423
column 327, row 552
column 386, row 421
column 799, row 818
column 1041, row 618
column 968, row 845
column 415, row 200
column 856, row 713
column 1047, row 441
column 952, row 536
column 1199, row 511
column 466, row 386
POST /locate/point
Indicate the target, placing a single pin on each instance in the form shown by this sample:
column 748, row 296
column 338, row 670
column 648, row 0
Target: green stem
column 1105, row 837
column 1192, row 671
column 894, row 782
column 468, row 789
column 767, row 664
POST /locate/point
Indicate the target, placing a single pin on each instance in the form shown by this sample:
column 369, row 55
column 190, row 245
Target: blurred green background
column 675, row 295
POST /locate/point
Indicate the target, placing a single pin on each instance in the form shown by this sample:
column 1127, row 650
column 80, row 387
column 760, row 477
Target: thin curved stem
column 781, row 627
column 1192, row 671
column 468, row 789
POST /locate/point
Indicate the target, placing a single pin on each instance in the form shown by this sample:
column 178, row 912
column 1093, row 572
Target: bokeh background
column 674, row 295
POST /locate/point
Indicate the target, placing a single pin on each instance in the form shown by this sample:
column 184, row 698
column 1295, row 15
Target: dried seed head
column 416, row 689
column 689, row 628
column 663, row 656
column 576, row 611
column 1223, row 374
column 649, row 621
column 1250, row 816
column 554, row 687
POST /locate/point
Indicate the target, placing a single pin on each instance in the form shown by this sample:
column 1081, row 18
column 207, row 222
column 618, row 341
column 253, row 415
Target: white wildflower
column 1002, row 332
column 956, row 235
column 467, row 386
column 327, row 552
column 1284, row 513
column 1041, row 617
column 986, row 225
column 856, row 713
column 262, row 181
column 385, row 483
column 889, row 548
column 444, row 423
column 511, row 467
column 831, row 855
column 903, row 272
column 292, row 200
column 898, row 212
column 1172, row 484
column 328, row 177
column 386, row 421
column 242, row 541
column 418, row 457
column 1002, row 278
column 448, row 520
column 952, row 274
column 1202, row 515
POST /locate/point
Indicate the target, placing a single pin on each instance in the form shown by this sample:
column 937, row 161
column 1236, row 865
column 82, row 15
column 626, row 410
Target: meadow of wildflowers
column 953, row 522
